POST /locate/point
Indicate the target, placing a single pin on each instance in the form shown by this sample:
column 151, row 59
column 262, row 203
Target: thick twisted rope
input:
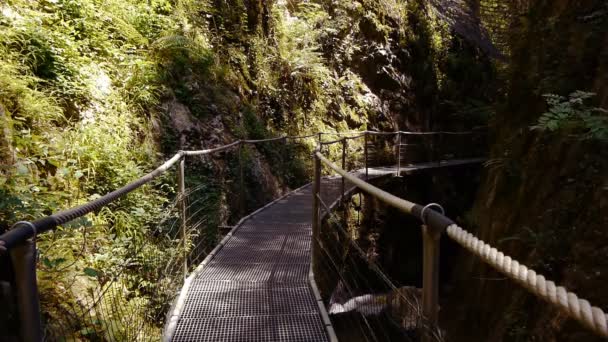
column 590, row 316
column 578, row 308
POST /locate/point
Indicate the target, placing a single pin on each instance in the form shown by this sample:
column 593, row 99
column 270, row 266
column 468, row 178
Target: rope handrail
column 341, row 139
column 390, row 199
column 332, row 141
column 474, row 131
column 302, row 136
column 342, row 133
column 255, row 141
column 580, row 309
column 21, row 232
column 20, row 241
column 212, row 150
column 355, row 137
column 381, row 133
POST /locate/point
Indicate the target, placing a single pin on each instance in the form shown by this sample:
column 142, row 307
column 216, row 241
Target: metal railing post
column 365, row 154
column 343, row 168
column 398, row 154
column 181, row 195
column 23, row 258
column 316, row 217
column 430, row 280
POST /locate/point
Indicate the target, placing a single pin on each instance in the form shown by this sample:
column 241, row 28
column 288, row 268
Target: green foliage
column 289, row 160
column 80, row 86
column 254, row 128
column 574, row 113
column 80, row 82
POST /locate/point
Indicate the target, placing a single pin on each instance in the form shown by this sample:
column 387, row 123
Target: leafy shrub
column 574, row 113
column 79, row 85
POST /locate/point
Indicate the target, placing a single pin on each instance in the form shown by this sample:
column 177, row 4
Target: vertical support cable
column 433, row 138
column 343, row 168
column 282, row 156
column 359, row 211
column 430, row 280
column 405, row 145
column 365, row 154
column 439, row 147
column 241, row 188
column 181, row 195
column 23, row 258
column 316, row 217
column 398, row 154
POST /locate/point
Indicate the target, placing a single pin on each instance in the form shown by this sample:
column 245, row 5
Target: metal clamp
column 430, row 205
column 29, row 224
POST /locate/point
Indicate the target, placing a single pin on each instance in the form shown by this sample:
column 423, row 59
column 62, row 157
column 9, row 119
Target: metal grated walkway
column 256, row 287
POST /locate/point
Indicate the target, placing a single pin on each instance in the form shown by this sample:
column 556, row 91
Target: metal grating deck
column 281, row 328
column 256, row 288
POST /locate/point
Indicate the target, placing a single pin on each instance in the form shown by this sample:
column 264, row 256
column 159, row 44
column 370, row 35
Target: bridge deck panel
column 256, row 288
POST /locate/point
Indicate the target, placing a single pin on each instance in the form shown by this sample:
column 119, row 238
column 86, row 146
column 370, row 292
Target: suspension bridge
column 260, row 282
